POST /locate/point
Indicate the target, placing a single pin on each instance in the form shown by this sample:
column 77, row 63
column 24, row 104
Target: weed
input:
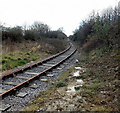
column 60, row 84
column 91, row 89
column 39, row 101
column 8, row 57
column 4, row 61
column 93, row 86
column 77, row 88
column 85, row 75
column 66, row 79
column 32, row 107
column 96, row 80
column 23, row 52
column 101, row 108
column 88, row 92
column 21, row 62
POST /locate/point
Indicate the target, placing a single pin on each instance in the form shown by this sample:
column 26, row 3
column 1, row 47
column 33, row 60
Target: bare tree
column 40, row 27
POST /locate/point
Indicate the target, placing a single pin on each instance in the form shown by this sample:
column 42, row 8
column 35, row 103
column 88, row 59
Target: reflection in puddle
column 71, row 89
column 80, row 81
column 78, row 68
column 76, row 74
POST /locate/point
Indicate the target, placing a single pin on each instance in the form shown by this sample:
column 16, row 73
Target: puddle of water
column 78, row 68
column 80, row 81
column 50, row 75
column 76, row 74
column 71, row 89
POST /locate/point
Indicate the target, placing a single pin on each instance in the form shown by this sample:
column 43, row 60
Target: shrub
column 91, row 44
column 77, row 88
column 21, row 62
column 4, row 61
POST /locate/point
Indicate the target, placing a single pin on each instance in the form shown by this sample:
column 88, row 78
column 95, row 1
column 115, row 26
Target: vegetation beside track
column 18, row 54
column 22, row 44
column 98, row 40
column 100, row 89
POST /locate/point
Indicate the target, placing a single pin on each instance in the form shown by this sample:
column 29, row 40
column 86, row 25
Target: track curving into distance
column 15, row 80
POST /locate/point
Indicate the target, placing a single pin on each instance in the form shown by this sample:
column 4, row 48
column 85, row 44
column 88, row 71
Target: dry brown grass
column 15, row 54
column 92, row 44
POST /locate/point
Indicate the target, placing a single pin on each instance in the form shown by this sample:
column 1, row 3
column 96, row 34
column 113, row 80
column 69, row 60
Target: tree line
column 34, row 32
column 99, row 29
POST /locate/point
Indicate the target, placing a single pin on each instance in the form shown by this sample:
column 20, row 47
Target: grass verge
column 18, row 54
column 44, row 96
column 102, row 83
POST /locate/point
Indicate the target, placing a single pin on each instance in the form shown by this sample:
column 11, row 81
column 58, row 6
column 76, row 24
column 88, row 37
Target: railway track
column 19, row 78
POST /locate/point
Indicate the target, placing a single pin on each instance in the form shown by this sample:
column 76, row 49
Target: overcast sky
column 56, row 13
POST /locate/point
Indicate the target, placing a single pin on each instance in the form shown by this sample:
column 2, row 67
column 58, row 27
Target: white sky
column 56, row 13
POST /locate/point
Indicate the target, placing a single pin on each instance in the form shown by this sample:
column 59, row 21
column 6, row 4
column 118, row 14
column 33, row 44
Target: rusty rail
column 19, row 86
column 6, row 74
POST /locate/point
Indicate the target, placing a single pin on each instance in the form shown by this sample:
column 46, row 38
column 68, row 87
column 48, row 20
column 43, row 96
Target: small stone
column 10, row 83
column 84, row 101
column 117, row 68
column 50, row 75
column 44, row 80
column 4, row 107
column 21, row 94
column 76, row 60
column 34, row 86
column 59, row 68
column 70, row 107
column 33, row 73
column 2, row 90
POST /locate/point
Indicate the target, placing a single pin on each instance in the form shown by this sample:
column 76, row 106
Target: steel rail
column 6, row 74
column 19, row 86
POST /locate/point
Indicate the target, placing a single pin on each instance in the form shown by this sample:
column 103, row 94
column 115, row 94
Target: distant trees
column 34, row 32
column 99, row 29
column 40, row 28
column 30, row 35
column 15, row 33
column 56, row 34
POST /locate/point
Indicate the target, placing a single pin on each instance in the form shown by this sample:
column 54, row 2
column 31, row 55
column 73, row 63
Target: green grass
column 63, row 79
column 17, row 54
column 91, row 89
column 96, row 80
column 87, row 92
column 12, row 60
column 84, row 75
column 93, row 86
column 60, row 84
